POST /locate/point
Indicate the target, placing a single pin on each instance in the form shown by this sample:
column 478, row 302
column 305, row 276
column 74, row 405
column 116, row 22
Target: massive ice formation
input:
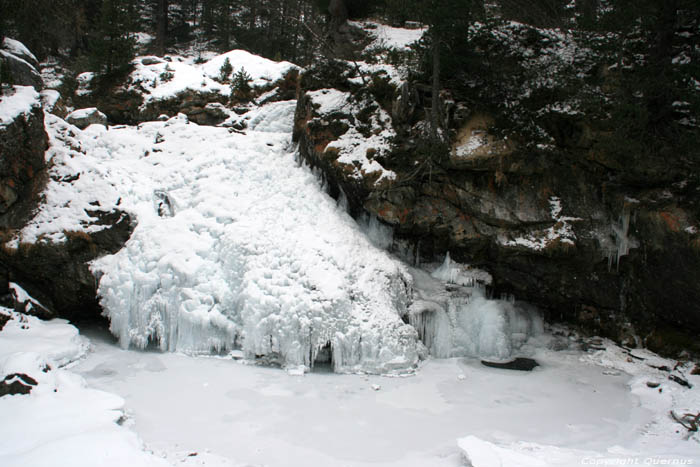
column 454, row 318
column 254, row 256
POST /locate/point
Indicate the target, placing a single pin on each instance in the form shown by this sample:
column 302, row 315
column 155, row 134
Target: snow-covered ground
column 62, row 421
column 118, row 407
column 576, row 407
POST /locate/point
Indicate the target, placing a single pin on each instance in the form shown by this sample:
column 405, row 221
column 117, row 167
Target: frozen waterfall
column 255, row 257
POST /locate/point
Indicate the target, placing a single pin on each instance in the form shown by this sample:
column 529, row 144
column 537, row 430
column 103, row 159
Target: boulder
column 20, row 64
column 83, row 118
column 518, row 364
column 17, row 383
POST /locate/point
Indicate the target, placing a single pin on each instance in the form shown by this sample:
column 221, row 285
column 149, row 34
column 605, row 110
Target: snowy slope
column 61, row 421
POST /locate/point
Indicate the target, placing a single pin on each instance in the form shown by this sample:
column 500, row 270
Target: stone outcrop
column 23, row 142
column 57, row 274
column 83, row 118
column 125, row 103
column 21, row 66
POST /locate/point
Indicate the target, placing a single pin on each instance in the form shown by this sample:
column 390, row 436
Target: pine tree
column 112, row 46
column 225, row 71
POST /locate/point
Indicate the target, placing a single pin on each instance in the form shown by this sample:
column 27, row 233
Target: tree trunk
column 435, row 91
column 660, row 95
column 161, row 26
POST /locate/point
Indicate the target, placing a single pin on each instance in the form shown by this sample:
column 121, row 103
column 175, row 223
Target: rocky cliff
column 56, row 273
column 536, row 185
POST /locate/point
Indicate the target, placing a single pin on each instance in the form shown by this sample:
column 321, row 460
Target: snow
column 20, row 101
column 49, row 99
column 389, row 37
column 477, row 139
column 82, row 113
column 262, row 71
column 61, row 420
column 330, row 100
column 17, row 48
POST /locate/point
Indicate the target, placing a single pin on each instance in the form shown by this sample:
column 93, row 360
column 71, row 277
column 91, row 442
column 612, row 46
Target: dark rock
column 22, row 166
column 4, row 318
column 519, row 364
column 653, row 384
column 682, row 381
column 17, row 383
column 58, row 275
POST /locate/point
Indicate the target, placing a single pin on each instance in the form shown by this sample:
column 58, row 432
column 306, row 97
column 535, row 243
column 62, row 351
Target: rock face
column 607, row 239
column 58, row 275
column 23, row 142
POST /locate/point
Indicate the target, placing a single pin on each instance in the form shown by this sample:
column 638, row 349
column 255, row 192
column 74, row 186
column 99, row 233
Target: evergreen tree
column 112, row 46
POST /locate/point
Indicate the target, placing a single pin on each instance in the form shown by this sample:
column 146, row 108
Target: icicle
column 622, row 241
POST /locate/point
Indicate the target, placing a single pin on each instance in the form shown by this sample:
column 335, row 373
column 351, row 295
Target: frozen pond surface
column 231, row 413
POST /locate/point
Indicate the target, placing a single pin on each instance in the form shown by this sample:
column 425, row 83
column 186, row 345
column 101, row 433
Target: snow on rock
column 79, row 187
column 27, row 303
column 661, row 397
column 56, row 341
column 17, row 48
column 480, row 453
column 357, row 150
column 251, row 255
column 84, row 81
column 82, row 118
column 163, row 79
column 262, row 71
column 60, row 420
column 454, row 318
column 561, row 232
column 21, row 100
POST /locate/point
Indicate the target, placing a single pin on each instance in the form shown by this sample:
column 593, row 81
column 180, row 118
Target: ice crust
column 255, row 256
